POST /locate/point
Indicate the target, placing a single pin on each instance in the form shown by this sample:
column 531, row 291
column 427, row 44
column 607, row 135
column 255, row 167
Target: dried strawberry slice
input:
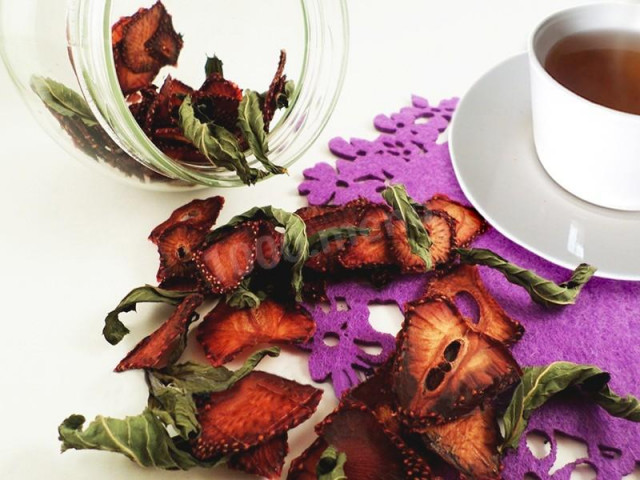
column 187, row 154
column 171, row 134
column 144, row 23
column 372, row 452
column 469, row 223
column 275, row 89
column 492, row 319
column 216, row 86
column 166, row 344
column 470, row 443
column 377, row 395
column 176, row 247
column 440, row 228
column 200, row 214
column 256, row 409
column 307, row 213
column 445, row 368
column 226, row 331
column 118, row 29
column 270, row 244
column 163, row 112
column 218, row 101
column 165, row 44
column 230, row 259
column 129, row 80
column 374, row 249
column 265, row 460
column 326, row 261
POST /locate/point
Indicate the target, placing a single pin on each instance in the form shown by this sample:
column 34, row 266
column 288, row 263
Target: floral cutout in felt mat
column 600, row 329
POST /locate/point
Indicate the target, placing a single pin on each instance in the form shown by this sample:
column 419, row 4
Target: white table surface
column 73, row 242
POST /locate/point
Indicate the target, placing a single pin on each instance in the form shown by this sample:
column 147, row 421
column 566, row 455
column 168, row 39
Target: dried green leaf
column 243, row 297
column 541, row 290
column 251, row 124
column 114, row 330
column 171, row 390
column 404, row 208
column 63, row 100
column 200, row 379
column 284, row 99
column 213, row 65
column 143, row 439
column 331, row 465
column 319, row 240
column 296, row 243
column 539, row 384
column 216, row 143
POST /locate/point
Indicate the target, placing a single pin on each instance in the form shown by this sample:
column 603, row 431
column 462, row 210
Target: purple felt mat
column 600, row 329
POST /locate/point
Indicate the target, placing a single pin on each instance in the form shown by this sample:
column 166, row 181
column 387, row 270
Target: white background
column 73, row 242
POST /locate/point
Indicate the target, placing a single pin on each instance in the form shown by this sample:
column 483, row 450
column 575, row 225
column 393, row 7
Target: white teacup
column 590, row 150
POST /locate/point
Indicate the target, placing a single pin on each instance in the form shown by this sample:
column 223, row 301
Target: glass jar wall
column 60, row 50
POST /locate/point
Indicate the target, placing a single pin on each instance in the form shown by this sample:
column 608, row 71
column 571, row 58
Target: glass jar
column 69, row 42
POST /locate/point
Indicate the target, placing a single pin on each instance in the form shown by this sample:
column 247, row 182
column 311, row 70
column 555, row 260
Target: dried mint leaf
column 63, row 100
column 322, row 238
column 404, row 208
column 541, row 290
column 142, row 438
column 243, row 297
column 217, row 144
column 251, row 124
column 114, row 330
column 539, row 384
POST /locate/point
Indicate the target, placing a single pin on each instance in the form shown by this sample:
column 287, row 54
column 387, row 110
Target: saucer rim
column 498, row 226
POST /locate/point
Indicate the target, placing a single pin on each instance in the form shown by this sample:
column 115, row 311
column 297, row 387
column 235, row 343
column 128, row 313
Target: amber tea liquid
column 602, row 66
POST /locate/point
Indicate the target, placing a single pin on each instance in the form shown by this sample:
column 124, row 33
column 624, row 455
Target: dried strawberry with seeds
column 164, row 111
column 469, row 223
column 492, row 319
column 226, row 331
column 255, row 410
column 439, row 227
column 326, row 261
column 165, row 44
column 444, row 367
column 276, row 88
column 186, row 154
column 372, row 452
column 469, row 444
column 372, row 250
column 270, row 245
column 265, row 460
column 176, row 247
column 218, row 101
column 136, row 33
column 200, row 214
column 231, row 258
column 164, row 346
column 129, row 80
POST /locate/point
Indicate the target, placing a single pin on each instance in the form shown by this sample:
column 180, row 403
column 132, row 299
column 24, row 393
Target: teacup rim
column 535, row 62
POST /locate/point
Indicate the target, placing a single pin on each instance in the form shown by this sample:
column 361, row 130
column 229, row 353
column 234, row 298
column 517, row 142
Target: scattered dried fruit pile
column 434, row 405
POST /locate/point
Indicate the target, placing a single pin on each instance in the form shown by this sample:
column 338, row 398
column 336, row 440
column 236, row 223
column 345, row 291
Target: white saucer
column 496, row 164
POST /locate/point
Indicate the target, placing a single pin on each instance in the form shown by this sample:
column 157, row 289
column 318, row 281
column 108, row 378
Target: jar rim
column 326, row 30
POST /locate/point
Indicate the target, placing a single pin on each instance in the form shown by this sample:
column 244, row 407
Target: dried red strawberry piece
column 165, row 45
column 317, row 220
column 218, row 101
column 492, row 319
column 172, row 134
column 226, row 331
column 440, row 228
column 377, row 395
column 265, row 460
column 140, row 106
column 469, row 223
column 164, row 111
column 118, row 28
column 469, row 444
column 445, row 368
column 182, row 284
column 186, row 154
column 256, row 409
column 226, row 262
column 270, row 245
column 200, row 214
column 129, row 80
column 136, row 33
column 166, row 344
column 374, row 249
column 276, row 88
column 307, row 213
column 176, row 247
column 372, row 452
column 314, row 289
